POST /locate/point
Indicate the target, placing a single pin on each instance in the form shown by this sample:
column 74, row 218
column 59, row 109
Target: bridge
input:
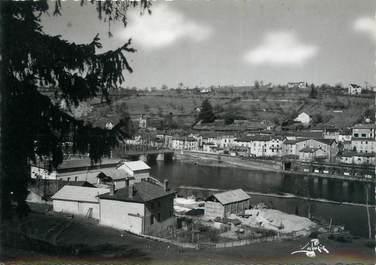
column 144, row 153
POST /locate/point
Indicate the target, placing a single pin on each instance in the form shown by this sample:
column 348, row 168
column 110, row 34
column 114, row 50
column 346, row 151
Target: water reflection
column 207, row 177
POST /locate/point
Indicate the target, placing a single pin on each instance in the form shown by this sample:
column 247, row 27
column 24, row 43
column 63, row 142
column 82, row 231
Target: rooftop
column 77, row 193
column 231, row 196
column 144, row 192
column 135, row 165
column 353, row 153
column 364, row 126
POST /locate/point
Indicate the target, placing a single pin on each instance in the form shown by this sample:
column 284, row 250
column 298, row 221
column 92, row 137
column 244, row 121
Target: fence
column 229, row 244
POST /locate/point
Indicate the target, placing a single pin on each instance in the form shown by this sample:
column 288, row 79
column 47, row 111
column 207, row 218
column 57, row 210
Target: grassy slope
column 253, row 104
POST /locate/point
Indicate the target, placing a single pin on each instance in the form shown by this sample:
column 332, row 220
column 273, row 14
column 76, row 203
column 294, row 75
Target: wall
column 122, row 215
column 257, row 163
column 164, row 207
column 75, row 207
column 214, row 209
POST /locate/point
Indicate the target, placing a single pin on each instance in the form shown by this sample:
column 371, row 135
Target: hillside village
column 121, row 193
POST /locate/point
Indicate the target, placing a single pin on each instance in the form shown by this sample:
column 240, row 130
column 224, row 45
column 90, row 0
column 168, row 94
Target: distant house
column 261, row 145
column 184, row 143
column 363, row 138
column 297, row 85
column 331, row 133
column 74, row 170
column 344, row 135
column 311, row 154
column 225, row 203
column 142, row 122
column 142, row 208
column 309, row 146
column 289, row 147
column 205, row 90
column 352, row 157
column 139, row 170
column 354, row 89
column 303, row 118
column 78, row 200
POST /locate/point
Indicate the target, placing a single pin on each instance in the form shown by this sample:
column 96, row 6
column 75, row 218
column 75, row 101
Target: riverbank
column 88, row 243
column 282, row 196
column 220, row 160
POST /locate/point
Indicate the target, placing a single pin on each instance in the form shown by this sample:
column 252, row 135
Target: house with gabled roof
column 303, row 118
column 225, row 203
column 141, row 208
column 138, row 170
column 78, row 200
column 354, row 89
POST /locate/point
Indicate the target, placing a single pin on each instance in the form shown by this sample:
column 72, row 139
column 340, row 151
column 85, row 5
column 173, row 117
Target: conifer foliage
column 33, row 125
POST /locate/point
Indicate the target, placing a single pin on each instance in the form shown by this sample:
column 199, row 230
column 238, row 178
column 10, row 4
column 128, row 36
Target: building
column 297, row 85
column 311, row 154
column 363, row 131
column 184, row 143
column 354, row 89
column 303, row 118
column 225, row 203
column 351, row 157
column 77, row 200
column 41, row 191
column 74, row 170
column 142, row 122
column 141, row 208
column 293, row 147
column 363, row 138
column 289, row 147
column 331, row 133
column 138, row 170
column 345, row 135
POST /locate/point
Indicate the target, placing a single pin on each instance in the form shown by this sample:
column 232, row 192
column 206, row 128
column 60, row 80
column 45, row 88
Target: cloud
column 366, row 25
column 163, row 27
column 281, row 48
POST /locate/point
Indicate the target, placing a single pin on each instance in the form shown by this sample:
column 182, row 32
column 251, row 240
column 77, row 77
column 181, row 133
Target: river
column 353, row 217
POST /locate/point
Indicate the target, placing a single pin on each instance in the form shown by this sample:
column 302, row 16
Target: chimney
column 112, row 189
column 165, row 185
column 131, row 191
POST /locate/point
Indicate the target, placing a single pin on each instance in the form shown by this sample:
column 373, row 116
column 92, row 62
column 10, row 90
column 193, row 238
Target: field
column 274, row 105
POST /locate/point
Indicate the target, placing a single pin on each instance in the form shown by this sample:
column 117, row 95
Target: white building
column 351, row 157
column 142, row 208
column 297, row 85
column 303, row 118
column 78, row 200
column 354, row 89
column 138, row 170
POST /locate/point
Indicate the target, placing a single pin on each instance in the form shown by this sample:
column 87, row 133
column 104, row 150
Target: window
column 159, row 217
column 363, row 135
column 75, row 178
column 151, row 205
column 151, row 219
column 356, row 135
column 68, row 179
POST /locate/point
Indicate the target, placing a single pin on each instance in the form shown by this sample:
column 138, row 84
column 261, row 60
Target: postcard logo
column 311, row 248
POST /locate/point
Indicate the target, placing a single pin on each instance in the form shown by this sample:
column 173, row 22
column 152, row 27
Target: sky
column 235, row 42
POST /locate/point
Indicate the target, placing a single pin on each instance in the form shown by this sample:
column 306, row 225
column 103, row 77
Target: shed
column 226, row 203
column 78, row 200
